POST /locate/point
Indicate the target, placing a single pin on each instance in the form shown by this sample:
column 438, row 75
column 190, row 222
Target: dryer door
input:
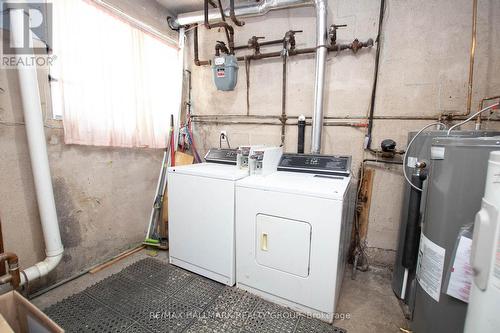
column 283, row 244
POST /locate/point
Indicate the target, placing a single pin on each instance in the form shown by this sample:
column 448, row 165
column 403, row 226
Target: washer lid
column 211, row 170
column 322, row 186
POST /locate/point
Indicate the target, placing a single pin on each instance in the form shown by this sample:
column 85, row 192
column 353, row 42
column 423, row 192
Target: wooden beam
column 364, row 200
column 116, row 259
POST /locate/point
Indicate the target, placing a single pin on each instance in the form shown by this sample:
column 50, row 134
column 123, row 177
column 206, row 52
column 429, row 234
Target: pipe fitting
column 41, row 269
column 13, row 276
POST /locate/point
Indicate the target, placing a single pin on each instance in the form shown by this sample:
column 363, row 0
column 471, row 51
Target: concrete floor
column 367, row 303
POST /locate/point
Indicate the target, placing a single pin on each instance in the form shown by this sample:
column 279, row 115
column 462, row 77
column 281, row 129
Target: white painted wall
column 423, row 72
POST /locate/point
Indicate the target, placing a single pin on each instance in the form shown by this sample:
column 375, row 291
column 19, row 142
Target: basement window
column 113, row 83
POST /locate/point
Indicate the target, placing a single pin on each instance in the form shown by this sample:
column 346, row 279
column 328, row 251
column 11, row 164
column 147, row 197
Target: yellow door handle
column 263, row 242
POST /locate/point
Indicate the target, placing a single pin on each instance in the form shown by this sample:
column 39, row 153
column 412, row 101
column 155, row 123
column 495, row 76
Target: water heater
column 484, row 302
column 455, row 186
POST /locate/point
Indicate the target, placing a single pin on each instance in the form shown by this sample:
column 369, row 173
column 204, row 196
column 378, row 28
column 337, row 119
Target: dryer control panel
column 318, row 164
column 220, row 155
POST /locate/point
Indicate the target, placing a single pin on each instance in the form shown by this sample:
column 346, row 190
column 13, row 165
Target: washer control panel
column 221, row 155
column 318, row 164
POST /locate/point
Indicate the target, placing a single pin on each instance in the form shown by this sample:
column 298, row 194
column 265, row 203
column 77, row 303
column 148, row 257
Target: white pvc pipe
column 33, row 119
column 319, row 83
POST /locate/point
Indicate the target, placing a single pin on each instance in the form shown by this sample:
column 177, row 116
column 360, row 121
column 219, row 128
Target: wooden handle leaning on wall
column 180, row 159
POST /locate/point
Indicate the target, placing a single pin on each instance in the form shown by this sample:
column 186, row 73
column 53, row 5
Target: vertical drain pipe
column 30, row 95
column 319, row 85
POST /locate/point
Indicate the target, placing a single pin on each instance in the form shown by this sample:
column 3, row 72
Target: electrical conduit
column 32, row 109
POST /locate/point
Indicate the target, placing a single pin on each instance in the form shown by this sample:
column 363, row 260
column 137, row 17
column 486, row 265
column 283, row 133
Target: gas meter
column 225, row 71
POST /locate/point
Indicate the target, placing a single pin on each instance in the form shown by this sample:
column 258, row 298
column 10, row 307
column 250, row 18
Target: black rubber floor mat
column 151, row 296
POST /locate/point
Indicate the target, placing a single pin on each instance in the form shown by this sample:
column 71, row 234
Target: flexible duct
column 248, row 10
column 33, row 119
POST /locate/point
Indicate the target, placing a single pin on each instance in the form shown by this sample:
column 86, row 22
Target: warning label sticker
column 430, row 267
column 411, row 162
column 461, row 273
column 221, row 72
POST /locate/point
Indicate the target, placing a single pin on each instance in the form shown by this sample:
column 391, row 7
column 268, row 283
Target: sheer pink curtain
column 117, row 85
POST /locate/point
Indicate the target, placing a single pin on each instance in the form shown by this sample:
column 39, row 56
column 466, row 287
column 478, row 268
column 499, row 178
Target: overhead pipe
column 246, row 10
column 355, row 46
column 319, row 83
column 232, row 14
column 228, row 29
column 253, row 43
column 396, row 118
column 356, row 124
column 223, row 18
column 32, row 109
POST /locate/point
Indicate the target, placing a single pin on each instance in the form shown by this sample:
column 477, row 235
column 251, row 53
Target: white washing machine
column 201, row 207
column 292, row 232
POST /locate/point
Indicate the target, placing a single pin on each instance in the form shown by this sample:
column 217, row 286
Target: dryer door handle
column 263, row 242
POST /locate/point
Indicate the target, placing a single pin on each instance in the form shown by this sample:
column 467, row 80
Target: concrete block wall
column 423, row 72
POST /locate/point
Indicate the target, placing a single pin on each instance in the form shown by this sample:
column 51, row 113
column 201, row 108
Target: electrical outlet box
column 223, row 133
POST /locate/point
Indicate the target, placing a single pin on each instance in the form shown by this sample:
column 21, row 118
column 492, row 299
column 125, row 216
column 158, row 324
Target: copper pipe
column 197, row 60
column 12, row 261
column 269, row 123
column 235, row 116
column 481, row 106
column 472, row 56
